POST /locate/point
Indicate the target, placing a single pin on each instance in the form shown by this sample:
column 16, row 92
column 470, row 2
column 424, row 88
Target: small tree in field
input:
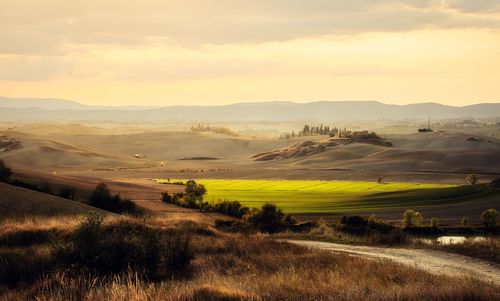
column 434, row 222
column 411, row 218
column 195, row 190
column 471, row 179
column 5, row 172
column 490, row 218
column 464, row 222
column 380, row 179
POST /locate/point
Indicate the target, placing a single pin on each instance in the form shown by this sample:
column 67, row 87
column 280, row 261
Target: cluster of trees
column 268, row 218
column 308, row 130
column 192, row 197
column 214, row 129
column 490, row 219
column 102, row 198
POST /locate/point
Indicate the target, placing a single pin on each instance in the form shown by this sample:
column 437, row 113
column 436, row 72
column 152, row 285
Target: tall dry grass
column 232, row 266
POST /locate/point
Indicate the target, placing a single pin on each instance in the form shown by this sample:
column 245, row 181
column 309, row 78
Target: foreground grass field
column 312, row 196
column 224, row 266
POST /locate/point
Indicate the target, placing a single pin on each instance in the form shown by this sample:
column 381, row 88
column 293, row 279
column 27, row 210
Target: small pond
column 450, row 240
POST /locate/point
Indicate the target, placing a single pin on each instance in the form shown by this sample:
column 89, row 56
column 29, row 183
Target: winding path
column 430, row 260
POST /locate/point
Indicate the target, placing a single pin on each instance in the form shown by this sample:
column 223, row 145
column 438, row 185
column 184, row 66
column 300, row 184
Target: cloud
column 48, row 27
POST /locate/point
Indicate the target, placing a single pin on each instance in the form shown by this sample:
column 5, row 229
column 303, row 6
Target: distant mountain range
column 65, row 110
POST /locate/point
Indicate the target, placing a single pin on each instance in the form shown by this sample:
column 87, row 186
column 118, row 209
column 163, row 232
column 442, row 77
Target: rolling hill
column 50, row 110
column 17, row 201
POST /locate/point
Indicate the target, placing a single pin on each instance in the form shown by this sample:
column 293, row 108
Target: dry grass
column 231, row 266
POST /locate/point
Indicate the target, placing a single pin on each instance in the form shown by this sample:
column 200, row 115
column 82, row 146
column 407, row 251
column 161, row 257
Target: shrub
column 195, row 190
column 230, row 225
column 231, row 208
column 379, row 225
column 395, row 237
column 411, row 218
column 45, row 187
column 67, row 192
column 464, row 222
column 490, row 218
column 102, row 198
column 178, row 254
column 127, row 244
column 354, row 224
column 434, row 222
column 471, row 179
column 354, row 220
column 267, row 219
column 5, row 172
column 495, row 183
column 166, row 197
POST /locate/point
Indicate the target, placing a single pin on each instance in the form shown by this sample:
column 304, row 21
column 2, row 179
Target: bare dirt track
column 432, row 261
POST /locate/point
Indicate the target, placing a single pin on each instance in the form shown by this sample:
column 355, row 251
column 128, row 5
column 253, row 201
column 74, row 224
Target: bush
column 127, row 244
column 166, row 197
column 354, row 224
column 67, row 192
column 379, row 225
column 102, row 198
column 464, row 222
column 395, row 237
column 5, row 172
column 434, row 222
column 490, row 218
column 195, row 190
column 267, row 219
column 231, row 225
column 411, row 218
column 178, row 254
column 231, row 208
column 471, row 179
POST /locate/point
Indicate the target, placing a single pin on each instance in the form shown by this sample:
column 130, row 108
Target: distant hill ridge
column 65, row 110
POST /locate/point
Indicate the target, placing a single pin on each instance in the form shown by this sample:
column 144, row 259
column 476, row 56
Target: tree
column 68, row 192
column 101, row 197
column 5, row 172
column 306, row 129
column 490, row 218
column 380, row 179
column 411, row 218
column 195, row 190
column 166, row 197
column 464, row 222
column 267, row 219
column 471, row 179
column 434, row 222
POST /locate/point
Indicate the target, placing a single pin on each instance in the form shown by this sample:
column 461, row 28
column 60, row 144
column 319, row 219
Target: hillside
column 17, row 201
column 50, row 110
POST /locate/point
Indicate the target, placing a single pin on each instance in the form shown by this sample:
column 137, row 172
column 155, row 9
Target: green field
column 312, row 196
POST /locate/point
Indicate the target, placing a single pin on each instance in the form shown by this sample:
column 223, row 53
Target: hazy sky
column 169, row 52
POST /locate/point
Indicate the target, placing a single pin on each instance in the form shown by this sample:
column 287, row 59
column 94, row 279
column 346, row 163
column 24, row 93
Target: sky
column 200, row 52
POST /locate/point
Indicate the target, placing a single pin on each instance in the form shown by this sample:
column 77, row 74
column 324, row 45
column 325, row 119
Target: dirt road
column 429, row 260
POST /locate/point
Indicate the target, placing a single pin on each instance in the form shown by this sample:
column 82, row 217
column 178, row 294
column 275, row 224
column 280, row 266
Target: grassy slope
column 227, row 266
column 17, row 201
column 310, row 196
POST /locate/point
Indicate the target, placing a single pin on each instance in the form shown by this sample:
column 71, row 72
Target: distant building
column 428, row 129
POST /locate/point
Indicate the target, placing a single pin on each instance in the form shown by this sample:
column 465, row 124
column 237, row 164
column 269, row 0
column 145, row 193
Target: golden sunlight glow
column 457, row 65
